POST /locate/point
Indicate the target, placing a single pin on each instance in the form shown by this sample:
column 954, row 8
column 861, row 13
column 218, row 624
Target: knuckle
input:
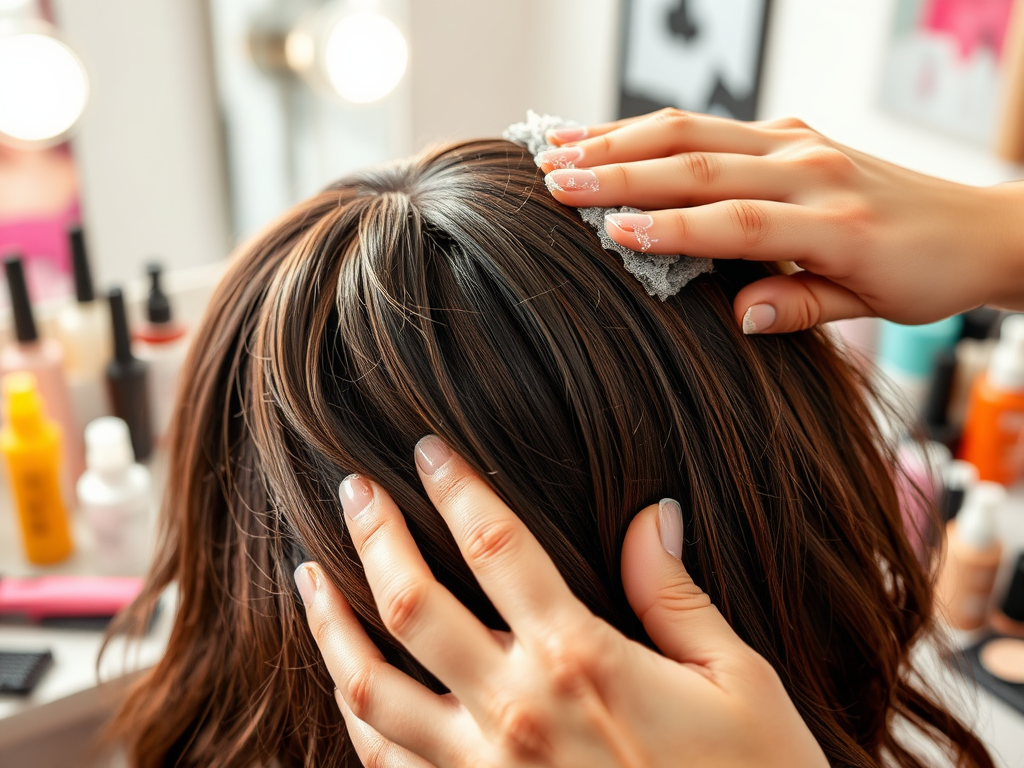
column 792, row 123
column 601, row 146
column 323, row 630
column 681, row 594
column 521, row 729
column 680, row 224
column 673, row 120
column 488, row 540
column 702, row 167
column 403, row 606
column 826, row 160
column 378, row 753
column 752, row 220
column 359, row 691
column 571, row 660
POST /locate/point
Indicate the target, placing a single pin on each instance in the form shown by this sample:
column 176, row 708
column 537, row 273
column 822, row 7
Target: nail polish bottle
column 973, row 553
column 44, row 358
column 162, row 343
column 993, row 437
column 1008, row 619
column 127, row 381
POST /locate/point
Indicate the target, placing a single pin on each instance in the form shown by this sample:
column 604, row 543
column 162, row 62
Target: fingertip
column 788, row 303
column 432, row 453
column 307, row 580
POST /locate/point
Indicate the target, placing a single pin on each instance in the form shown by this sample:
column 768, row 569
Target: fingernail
column 307, row 582
column 636, row 223
column 560, row 158
column 574, row 133
column 431, row 454
column 759, row 318
column 670, row 527
column 355, row 493
column 571, row 180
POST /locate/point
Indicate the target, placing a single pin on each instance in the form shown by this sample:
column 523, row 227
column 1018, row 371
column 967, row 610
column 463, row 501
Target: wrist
column 1007, row 227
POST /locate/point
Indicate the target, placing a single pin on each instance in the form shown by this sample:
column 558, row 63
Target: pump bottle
column 161, row 343
column 44, row 358
column 83, row 328
column 31, row 445
column 973, row 553
column 114, row 497
column 994, row 431
column 126, row 380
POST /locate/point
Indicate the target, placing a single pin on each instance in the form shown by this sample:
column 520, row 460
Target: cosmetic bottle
column 935, row 413
column 906, row 355
column 83, row 328
column 127, row 380
column 973, row 552
column 43, row 358
column 1008, row 619
column 993, row 437
column 114, row 496
column 973, row 357
column 958, row 477
column 162, row 343
column 31, row 445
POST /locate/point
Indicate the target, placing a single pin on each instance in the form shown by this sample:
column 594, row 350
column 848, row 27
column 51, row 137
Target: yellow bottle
column 31, row 444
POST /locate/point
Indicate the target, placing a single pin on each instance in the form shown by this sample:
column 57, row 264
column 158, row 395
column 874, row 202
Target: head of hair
column 451, row 294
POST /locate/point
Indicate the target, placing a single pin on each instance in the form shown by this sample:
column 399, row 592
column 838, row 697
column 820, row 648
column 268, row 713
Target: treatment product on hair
column 127, row 380
column 994, row 432
column 162, row 343
column 1008, row 619
column 906, row 354
column 44, row 358
column 115, row 496
column 30, row 443
column 973, row 552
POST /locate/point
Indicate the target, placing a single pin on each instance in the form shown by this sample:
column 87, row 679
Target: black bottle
column 126, row 380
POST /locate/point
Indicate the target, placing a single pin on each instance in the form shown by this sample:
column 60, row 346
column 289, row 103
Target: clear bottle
column 115, row 498
column 973, row 554
column 45, row 359
column 31, row 445
column 162, row 343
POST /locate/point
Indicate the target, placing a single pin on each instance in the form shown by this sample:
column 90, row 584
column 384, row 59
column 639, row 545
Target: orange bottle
column 993, row 438
column 31, row 444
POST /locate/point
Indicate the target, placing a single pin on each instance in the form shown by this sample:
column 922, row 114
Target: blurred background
column 170, row 130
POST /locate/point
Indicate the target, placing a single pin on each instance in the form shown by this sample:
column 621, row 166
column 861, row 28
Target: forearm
column 1008, row 257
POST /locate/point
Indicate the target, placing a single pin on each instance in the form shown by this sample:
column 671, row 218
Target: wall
column 148, row 151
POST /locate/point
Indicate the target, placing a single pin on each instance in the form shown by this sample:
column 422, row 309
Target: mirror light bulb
column 43, row 87
column 365, row 57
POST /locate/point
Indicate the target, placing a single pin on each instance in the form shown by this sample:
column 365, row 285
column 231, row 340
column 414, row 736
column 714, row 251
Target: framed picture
column 946, row 65
column 698, row 55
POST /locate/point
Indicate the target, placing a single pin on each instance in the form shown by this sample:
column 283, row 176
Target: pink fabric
column 972, row 23
column 43, row 243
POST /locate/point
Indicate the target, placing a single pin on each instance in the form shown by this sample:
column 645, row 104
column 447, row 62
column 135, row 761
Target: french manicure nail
column 758, row 319
column 636, row 223
column 571, row 180
column 431, row 454
column 355, row 493
column 670, row 527
column 560, row 158
column 307, row 582
column 573, row 133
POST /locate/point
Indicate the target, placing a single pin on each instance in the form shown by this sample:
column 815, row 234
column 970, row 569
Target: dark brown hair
column 450, row 294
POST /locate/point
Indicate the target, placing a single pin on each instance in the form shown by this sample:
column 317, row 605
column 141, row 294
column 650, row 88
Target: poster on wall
column 698, row 55
column 945, row 64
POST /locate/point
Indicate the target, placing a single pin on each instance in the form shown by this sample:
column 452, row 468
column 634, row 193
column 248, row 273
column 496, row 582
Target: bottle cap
column 976, row 523
column 958, row 477
column 119, row 325
column 108, row 445
column 21, row 306
column 1006, row 371
column 912, row 349
column 158, row 306
column 23, row 407
column 80, row 264
column 1013, row 605
column 981, row 323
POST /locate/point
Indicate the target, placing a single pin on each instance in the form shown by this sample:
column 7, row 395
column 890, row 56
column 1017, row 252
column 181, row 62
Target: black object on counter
column 936, row 405
column 84, row 292
column 21, row 670
column 158, row 306
column 21, row 307
column 1013, row 603
column 127, row 381
column 981, row 323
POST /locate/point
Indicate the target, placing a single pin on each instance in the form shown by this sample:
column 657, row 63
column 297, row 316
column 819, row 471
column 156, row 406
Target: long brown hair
column 450, row 294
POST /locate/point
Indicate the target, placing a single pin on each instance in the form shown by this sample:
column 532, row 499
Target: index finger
column 513, row 569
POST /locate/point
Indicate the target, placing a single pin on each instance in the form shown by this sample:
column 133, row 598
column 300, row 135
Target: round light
column 365, row 57
column 43, row 87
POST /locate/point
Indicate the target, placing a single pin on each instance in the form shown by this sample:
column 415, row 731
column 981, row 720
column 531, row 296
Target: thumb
column 676, row 613
column 785, row 303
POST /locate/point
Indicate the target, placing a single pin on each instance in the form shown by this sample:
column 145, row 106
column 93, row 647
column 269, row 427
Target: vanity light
column 43, row 85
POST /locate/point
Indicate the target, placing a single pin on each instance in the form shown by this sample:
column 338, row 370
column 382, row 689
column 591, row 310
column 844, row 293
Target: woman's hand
column 874, row 238
column 563, row 688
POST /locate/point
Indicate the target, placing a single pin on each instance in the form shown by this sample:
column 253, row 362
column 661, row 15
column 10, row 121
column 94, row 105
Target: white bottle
column 115, row 498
